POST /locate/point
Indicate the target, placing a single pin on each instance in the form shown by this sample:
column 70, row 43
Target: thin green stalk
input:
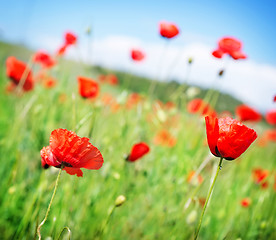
column 49, row 207
column 207, row 199
column 69, row 233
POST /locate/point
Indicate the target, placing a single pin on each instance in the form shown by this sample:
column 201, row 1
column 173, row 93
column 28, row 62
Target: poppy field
column 85, row 155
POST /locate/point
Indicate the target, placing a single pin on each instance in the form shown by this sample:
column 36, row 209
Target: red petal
column 234, row 138
column 138, row 151
column 72, row 149
column 212, row 130
column 168, row 30
column 88, row 88
column 73, row 171
column 218, row 53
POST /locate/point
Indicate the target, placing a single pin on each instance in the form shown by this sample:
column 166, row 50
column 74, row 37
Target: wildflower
column 164, row 138
column 259, row 176
column 137, row 55
column 245, row 202
column 271, row 117
column 138, row 150
column 70, row 152
column 70, row 38
column 17, row 71
column 230, row 46
column 246, row 113
column 44, row 59
column 192, row 179
column 88, row 88
column 227, row 137
column 197, row 105
column 168, row 30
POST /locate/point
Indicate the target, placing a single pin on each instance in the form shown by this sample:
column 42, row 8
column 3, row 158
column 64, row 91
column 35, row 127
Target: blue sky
column 119, row 25
column 251, row 21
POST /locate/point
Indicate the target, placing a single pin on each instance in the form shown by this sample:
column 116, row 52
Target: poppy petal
column 212, row 130
column 73, row 171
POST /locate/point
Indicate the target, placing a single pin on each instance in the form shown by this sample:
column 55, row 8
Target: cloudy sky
column 118, row 26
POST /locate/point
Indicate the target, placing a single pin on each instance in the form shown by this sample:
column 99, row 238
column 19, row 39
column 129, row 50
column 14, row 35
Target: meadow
column 163, row 200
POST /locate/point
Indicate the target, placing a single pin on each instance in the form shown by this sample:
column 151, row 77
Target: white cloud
column 249, row 81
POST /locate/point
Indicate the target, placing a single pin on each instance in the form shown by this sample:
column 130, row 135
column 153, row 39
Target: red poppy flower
column 246, row 113
column 164, row 138
column 133, row 100
column 137, row 55
column 16, row 70
column 112, row 79
column 271, row 117
column 70, row 38
column 245, row 202
column 44, row 59
column 274, row 99
column 197, row 105
column 138, row 150
column 88, row 88
column 230, row 46
column 270, row 135
column 49, row 82
column 71, row 152
column 190, row 178
column 259, row 175
column 62, row 50
column 168, row 30
column 227, row 137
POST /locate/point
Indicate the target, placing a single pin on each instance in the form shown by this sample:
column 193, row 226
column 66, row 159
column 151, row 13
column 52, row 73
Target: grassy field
column 160, row 202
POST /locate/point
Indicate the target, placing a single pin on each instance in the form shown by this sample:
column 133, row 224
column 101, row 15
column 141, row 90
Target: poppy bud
column 190, row 60
column 120, row 200
column 221, row 73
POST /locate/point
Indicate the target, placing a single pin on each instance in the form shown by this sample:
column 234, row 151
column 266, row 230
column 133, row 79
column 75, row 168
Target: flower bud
column 120, row 200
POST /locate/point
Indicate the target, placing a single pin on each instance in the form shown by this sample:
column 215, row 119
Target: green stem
column 106, row 221
column 49, row 207
column 207, row 199
column 69, row 233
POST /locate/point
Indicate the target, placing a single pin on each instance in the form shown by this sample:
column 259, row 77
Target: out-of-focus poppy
column 271, row 117
column 245, row 202
column 191, row 179
column 197, row 105
column 70, row 38
column 274, row 99
column 88, row 88
column 62, row 50
column 270, row 135
column 112, row 79
column 133, row 99
column 246, row 113
column 18, row 71
column 49, row 82
column 227, row 137
column 71, row 153
column 230, row 46
column 259, row 175
column 138, row 150
column 164, row 138
column 44, row 59
column 137, row 55
column 101, row 78
column 168, row 30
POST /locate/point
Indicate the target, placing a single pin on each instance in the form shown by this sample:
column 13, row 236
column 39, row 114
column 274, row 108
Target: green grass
column 155, row 187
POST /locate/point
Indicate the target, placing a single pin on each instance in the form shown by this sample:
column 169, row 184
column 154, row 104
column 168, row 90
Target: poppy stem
column 49, row 207
column 107, row 220
column 208, row 197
